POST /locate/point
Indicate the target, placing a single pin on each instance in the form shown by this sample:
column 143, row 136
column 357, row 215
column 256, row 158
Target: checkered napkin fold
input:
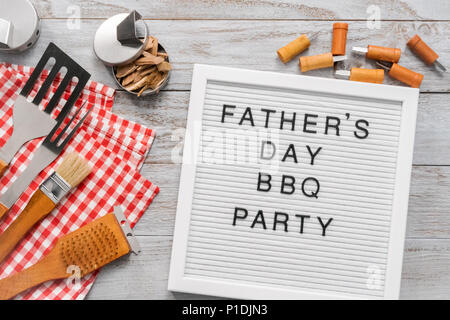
column 114, row 147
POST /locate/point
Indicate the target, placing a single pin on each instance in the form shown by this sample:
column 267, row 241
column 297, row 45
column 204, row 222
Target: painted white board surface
column 292, row 187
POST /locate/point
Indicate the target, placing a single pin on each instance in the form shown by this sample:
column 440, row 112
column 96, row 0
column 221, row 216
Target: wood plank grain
column 248, row 44
column 425, row 269
column 167, row 114
column 425, row 272
column 237, row 9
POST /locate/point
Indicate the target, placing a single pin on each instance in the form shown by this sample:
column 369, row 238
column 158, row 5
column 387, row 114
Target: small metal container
column 121, row 40
column 19, row 25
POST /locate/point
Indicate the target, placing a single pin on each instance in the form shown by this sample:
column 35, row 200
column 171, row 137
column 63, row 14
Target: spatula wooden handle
column 45, row 270
column 37, row 208
column 3, row 167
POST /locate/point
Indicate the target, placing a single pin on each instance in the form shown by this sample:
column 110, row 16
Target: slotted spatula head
column 73, row 71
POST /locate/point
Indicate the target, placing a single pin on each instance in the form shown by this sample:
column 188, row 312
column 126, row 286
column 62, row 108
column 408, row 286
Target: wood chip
column 129, row 78
column 147, row 54
column 157, row 80
column 143, row 89
column 149, row 60
column 155, row 46
column 144, row 73
column 164, row 66
column 149, row 44
column 139, row 84
column 162, row 54
column 157, row 84
column 123, row 71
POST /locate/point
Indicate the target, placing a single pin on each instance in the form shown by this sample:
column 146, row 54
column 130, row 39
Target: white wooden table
column 246, row 34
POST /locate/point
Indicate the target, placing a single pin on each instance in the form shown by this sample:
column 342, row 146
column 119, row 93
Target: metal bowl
column 148, row 91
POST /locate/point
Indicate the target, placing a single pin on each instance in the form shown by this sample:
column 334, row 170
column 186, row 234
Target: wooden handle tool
column 48, row 268
column 88, row 249
column 319, row 61
column 38, row 207
column 379, row 53
column 339, row 38
column 69, row 174
column 294, row 48
column 420, row 48
column 362, row 75
column 400, row 73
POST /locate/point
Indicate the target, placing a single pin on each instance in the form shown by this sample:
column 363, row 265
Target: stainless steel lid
column 117, row 41
column 19, row 25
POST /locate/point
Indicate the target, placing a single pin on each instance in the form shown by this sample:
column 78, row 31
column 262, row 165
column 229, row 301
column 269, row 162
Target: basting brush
column 72, row 171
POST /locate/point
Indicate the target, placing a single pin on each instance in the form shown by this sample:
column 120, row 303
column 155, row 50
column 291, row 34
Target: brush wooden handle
column 3, row 167
column 37, row 208
column 48, row 268
column 3, row 210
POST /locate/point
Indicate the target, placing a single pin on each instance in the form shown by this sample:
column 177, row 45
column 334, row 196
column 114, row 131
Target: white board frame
column 203, row 73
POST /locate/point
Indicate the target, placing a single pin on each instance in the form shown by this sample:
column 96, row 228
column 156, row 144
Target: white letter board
column 293, row 187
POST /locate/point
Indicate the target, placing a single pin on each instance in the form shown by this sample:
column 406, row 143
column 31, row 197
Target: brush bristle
column 74, row 169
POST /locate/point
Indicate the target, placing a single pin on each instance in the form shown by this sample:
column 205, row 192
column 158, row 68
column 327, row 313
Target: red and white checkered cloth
column 114, row 147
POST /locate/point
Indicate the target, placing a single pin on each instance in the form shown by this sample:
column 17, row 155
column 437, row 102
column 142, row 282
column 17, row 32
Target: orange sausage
column 420, row 48
column 294, row 48
column 339, row 38
column 405, row 75
column 316, row 62
column 367, row 75
column 383, row 53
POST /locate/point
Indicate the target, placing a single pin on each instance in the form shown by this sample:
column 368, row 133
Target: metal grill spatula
column 49, row 150
column 30, row 122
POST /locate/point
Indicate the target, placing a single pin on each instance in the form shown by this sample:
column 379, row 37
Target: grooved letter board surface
column 293, row 187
